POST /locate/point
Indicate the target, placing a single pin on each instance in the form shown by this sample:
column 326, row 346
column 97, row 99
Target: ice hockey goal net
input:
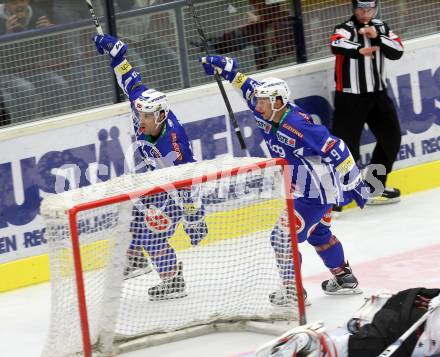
column 228, row 275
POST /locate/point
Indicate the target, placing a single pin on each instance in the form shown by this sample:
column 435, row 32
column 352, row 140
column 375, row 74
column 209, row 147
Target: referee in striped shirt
column 361, row 45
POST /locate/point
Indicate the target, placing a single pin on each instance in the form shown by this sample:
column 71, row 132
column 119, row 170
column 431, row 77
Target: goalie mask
column 273, row 89
column 153, row 102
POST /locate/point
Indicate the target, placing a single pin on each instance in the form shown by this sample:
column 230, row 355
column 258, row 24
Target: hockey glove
column 111, row 45
column 196, row 231
column 348, row 173
column 359, row 193
column 225, row 66
column 194, row 223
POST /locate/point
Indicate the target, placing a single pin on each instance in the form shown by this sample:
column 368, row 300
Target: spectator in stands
column 361, row 45
column 152, row 38
column 69, row 11
column 256, row 33
column 19, row 15
column 30, row 75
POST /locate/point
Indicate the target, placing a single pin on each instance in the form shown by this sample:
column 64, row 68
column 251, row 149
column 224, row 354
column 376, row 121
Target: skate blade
column 336, row 215
column 138, row 272
column 382, row 201
column 172, row 296
column 345, row 291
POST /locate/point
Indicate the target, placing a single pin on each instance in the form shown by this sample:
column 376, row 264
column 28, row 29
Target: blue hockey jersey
column 172, row 146
column 320, row 162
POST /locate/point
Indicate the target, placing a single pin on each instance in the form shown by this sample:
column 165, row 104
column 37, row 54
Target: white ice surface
column 394, row 246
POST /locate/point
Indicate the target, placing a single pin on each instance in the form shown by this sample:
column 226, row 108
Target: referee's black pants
column 376, row 109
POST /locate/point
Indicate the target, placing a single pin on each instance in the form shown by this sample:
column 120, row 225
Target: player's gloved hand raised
column 225, row 66
column 111, row 45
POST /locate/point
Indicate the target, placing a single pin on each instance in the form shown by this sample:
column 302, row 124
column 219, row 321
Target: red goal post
column 88, row 232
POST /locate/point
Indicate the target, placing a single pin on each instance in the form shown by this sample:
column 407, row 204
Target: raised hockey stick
column 94, row 18
column 216, row 75
column 396, row 344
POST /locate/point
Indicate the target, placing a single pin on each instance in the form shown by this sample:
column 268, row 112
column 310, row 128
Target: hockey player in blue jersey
column 323, row 173
column 161, row 142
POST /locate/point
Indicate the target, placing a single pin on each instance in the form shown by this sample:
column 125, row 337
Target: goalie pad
column 366, row 312
column 310, row 340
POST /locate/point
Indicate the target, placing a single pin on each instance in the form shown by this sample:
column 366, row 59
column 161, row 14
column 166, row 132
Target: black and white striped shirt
column 355, row 73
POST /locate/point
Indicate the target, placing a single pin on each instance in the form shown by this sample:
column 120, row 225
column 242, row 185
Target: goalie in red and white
column 376, row 329
column 162, row 142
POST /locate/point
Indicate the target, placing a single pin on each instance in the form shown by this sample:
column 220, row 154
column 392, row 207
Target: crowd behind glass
column 49, row 66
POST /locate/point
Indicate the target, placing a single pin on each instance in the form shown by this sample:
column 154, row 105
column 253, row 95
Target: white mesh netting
column 168, row 261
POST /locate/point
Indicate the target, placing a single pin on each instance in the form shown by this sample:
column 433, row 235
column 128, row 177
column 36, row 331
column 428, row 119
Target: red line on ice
column 420, row 267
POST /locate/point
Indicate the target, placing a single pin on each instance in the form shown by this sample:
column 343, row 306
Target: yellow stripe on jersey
column 239, row 80
column 124, row 67
column 346, row 165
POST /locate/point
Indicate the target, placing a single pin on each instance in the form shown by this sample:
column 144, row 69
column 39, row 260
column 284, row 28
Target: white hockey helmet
column 154, row 102
column 273, row 88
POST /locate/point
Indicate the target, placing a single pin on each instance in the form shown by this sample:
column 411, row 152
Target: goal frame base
column 271, row 328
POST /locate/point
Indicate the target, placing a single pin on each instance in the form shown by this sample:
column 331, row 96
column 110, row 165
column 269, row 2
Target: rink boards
column 30, row 154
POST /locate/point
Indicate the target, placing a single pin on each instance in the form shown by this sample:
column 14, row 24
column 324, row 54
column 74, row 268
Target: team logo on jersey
column 157, row 220
column 277, row 149
column 329, row 143
column 284, row 222
column 293, row 130
column 263, row 125
column 283, row 138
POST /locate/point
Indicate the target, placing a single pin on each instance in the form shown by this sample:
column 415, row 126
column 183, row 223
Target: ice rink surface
column 393, row 247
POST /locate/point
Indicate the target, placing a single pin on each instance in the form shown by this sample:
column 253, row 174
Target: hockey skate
column 343, row 283
column 286, row 297
column 137, row 264
column 336, row 211
column 173, row 288
column 389, row 195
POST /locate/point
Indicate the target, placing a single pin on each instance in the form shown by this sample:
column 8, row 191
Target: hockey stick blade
column 216, row 75
column 396, row 344
column 94, row 18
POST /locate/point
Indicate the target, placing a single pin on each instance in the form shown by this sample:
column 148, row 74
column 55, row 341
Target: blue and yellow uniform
column 323, row 172
column 155, row 218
